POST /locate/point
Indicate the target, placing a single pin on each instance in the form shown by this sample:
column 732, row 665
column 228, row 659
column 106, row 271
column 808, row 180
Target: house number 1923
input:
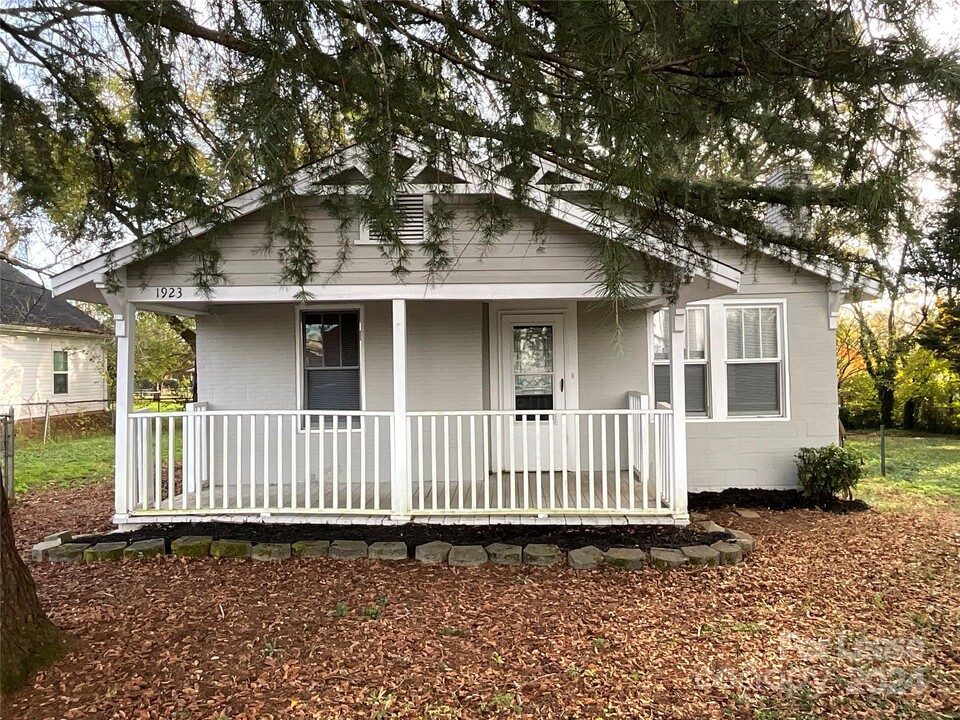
column 169, row 293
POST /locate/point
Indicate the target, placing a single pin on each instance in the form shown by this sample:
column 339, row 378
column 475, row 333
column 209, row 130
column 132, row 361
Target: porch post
column 125, row 323
column 400, row 487
column 678, row 402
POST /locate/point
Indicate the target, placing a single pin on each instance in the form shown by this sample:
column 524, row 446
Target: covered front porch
column 542, row 452
column 481, row 467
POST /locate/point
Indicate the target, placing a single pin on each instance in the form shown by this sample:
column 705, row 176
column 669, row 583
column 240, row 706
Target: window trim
column 705, row 360
column 781, row 359
column 716, row 351
column 65, row 373
column 364, row 238
column 299, row 312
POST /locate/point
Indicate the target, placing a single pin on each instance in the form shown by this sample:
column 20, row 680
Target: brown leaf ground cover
column 833, row 616
column 84, row 509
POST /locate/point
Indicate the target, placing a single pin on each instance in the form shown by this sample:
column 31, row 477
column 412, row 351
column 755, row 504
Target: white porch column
column 400, row 486
column 125, row 324
column 678, row 402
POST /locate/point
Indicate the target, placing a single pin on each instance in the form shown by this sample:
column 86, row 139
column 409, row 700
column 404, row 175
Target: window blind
column 753, row 388
column 331, row 346
column 695, row 387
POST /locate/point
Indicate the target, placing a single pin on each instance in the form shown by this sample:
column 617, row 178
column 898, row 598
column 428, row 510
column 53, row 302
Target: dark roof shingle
column 24, row 302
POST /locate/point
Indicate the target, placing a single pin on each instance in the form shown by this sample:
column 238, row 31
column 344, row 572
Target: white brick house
column 493, row 395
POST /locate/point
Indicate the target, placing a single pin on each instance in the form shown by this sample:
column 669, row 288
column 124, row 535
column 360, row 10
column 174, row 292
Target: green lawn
column 69, row 462
column 920, row 469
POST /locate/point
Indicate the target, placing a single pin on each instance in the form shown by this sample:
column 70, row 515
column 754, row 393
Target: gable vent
column 411, row 209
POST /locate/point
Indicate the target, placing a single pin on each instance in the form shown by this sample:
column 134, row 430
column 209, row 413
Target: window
column 331, row 360
column 695, row 369
column 411, row 209
column 735, row 360
column 61, row 384
column 754, row 362
column 533, row 369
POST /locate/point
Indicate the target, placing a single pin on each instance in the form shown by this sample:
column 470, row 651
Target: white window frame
column 65, row 373
column 716, row 352
column 299, row 312
column 364, row 238
column 687, row 360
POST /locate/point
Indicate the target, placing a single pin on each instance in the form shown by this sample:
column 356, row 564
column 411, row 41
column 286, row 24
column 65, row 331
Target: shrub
column 829, row 471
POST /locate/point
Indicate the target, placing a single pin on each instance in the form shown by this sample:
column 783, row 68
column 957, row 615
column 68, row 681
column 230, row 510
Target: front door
column 533, row 381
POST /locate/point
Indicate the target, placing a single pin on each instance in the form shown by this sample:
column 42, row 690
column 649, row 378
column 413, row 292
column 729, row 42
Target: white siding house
column 496, row 393
column 51, row 353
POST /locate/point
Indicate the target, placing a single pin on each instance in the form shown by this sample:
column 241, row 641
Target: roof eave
column 95, row 269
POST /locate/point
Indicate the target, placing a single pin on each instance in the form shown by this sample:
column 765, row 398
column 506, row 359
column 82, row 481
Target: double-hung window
column 754, row 360
column 331, row 360
column 61, row 383
column 696, row 371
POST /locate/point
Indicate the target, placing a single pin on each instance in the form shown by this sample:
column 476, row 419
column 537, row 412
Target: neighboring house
column 50, row 351
column 496, row 394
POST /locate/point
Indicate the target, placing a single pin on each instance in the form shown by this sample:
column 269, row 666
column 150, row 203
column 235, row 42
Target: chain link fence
column 62, row 418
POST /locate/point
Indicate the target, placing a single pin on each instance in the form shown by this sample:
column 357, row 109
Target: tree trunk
column 28, row 640
column 189, row 336
column 886, row 397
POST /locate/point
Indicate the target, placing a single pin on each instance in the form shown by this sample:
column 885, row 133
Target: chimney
column 779, row 218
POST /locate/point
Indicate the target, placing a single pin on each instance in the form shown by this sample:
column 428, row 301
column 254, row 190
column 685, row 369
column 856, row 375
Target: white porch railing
column 540, row 462
column 489, row 462
column 223, row 462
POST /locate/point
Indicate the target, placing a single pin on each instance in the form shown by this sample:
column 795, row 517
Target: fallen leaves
column 811, row 624
column 85, row 509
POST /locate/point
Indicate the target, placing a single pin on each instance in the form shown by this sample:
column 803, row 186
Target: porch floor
column 548, row 499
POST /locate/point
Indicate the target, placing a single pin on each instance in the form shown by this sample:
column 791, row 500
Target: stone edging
column 63, row 547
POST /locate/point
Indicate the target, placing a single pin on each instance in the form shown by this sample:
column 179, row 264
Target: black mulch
column 770, row 499
column 566, row 537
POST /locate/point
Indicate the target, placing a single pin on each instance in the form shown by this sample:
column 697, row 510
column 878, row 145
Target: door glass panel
column 533, row 368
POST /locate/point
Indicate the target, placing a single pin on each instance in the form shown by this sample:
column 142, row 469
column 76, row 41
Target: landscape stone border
column 65, row 547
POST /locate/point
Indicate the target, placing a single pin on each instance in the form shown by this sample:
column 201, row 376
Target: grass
column 69, row 462
column 921, row 469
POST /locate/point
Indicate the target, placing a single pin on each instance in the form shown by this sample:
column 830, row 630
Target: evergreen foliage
column 121, row 117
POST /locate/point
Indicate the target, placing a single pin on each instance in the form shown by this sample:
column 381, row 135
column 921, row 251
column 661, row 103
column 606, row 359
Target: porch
column 571, row 466
column 503, row 422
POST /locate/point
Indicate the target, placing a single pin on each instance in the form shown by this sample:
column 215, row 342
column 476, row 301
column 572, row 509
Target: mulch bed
column 83, row 511
column 834, row 616
column 566, row 537
column 769, row 499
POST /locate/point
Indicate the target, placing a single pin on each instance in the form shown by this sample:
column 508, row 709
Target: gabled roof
column 25, row 303
column 348, row 167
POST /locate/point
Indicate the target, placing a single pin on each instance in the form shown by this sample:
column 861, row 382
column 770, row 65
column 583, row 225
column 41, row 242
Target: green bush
column 829, row 471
